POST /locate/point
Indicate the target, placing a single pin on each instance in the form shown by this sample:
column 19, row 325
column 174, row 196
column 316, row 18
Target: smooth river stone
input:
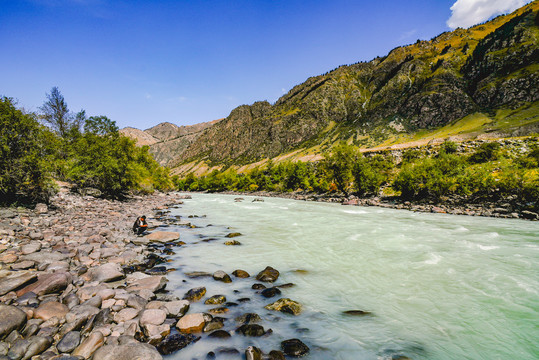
column 191, row 323
column 105, row 273
column 153, row 317
column 37, row 344
column 30, row 248
column 48, row 284
column 90, row 345
column 11, row 318
column 51, row 309
column 177, row 308
column 45, row 257
column 131, row 351
column 125, row 315
column 163, row 236
column 69, row 342
column 152, row 283
column 15, row 280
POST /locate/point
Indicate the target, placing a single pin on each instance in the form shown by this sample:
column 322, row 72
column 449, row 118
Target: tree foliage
column 33, row 155
column 24, row 174
column 56, row 114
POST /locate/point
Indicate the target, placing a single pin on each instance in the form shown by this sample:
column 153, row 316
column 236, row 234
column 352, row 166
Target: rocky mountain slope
column 469, row 81
column 167, row 140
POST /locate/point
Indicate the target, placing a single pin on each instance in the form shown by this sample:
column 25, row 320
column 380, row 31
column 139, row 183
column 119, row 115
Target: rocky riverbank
column 76, row 283
column 508, row 208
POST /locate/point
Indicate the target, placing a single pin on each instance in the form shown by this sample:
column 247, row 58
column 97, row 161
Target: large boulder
column 11, row 318
column 131, row 351
column 163, row 236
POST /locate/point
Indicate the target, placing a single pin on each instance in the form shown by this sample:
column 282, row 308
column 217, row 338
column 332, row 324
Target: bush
column 370, row 174
column 432, row 177
column 449, row 147
column 485, row 152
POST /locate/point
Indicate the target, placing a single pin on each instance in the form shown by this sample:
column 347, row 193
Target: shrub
column 485, row 152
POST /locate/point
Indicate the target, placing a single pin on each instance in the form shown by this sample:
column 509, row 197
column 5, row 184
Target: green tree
column 24, row 174
column 56, row 114
column 339, row 165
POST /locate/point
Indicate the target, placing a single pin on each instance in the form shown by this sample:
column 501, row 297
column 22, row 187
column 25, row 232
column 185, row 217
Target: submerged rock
column 286, row 306
column 241, row 274
column 269, row 274
column 175, row 342
column 356, row 312
column 195, row 294
column 215, row 300
column 233, row 235
column 253, row 353
column 222, row 276
column 270, row 292
column 251, row 330
column 294, row 347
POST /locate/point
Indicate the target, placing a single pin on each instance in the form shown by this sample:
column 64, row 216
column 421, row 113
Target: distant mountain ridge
column 167, row 140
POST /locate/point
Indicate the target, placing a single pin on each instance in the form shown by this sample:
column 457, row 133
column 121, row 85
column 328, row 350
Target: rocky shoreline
column 508, row 208
column 76, row 283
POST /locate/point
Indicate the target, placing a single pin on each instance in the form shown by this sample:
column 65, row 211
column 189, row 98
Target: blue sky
column 145, row 62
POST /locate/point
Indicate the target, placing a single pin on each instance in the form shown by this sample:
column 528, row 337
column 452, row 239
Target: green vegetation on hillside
column 88, row 152
column 489, row 172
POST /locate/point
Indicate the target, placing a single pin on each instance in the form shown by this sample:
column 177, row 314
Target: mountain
column 464, row 83
column 167, row 140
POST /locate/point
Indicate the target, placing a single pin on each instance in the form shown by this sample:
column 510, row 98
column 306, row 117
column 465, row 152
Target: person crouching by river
column 140, row 225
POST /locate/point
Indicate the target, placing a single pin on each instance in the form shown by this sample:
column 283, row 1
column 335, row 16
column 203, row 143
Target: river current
column 437, row 286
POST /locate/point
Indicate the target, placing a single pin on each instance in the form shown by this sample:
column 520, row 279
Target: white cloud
column 466, row 13
column 148, row 96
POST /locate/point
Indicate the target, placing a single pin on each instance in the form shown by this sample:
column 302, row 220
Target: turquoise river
column 438, row 286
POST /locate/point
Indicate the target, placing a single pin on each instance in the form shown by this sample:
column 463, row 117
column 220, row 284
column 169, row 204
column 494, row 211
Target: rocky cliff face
column 421, row 86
